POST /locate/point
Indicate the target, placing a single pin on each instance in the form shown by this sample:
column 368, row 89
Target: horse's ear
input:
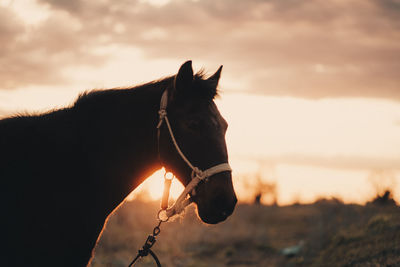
column 214, row 79
column 184, row 78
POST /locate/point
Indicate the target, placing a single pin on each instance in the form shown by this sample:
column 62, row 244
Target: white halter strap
column 197, row 174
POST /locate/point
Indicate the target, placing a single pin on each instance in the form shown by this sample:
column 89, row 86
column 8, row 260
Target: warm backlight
column 152, row 187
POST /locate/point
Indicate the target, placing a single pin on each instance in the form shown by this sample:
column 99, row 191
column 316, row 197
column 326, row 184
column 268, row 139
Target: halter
column 183, row 199
column 197, row 174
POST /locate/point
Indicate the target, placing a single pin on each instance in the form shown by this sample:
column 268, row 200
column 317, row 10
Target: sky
column 310, row 88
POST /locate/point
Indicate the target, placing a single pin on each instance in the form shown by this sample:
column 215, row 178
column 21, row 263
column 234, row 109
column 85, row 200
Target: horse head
column 199, row 130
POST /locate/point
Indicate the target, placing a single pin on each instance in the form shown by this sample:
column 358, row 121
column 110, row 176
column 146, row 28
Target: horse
column 65, row 171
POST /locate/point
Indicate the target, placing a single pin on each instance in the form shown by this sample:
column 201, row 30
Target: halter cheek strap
column 197, row 174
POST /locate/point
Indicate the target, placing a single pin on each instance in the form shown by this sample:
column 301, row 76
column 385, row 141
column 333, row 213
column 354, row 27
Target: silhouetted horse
column 62, row 173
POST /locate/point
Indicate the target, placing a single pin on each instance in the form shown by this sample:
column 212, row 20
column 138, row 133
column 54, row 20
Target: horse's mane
column 203, row 89
column 96, row 94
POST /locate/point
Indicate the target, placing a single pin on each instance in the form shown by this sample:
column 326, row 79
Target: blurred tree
column 263, row 185
column 383, row 183
column 382, row 180
column 384, row 199
column 265, row 190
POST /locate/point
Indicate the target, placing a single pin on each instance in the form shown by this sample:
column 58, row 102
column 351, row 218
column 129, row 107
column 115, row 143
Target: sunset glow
column 311, row 91
column 153, row 187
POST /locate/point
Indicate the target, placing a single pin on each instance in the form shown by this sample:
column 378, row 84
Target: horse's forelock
column 202, row 89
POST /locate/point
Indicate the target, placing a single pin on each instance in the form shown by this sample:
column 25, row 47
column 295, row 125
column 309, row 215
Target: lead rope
column 151, row 239
column 146, row 249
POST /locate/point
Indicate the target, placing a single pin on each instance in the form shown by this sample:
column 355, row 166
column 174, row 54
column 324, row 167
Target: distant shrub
column 328, row 201
column 385, row 199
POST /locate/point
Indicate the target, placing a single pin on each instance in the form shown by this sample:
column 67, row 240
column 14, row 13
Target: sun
column 152, row 188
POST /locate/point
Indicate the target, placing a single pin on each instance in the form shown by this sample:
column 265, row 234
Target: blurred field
column 326, row 233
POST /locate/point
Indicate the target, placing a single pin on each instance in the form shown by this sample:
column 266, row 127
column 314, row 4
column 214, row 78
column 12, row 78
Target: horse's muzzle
column 215, row 198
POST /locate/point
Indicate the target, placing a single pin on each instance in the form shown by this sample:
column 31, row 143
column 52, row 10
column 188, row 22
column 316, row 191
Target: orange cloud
column 309, row 49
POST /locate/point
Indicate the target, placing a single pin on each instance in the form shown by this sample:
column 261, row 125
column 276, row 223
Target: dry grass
column 333, row 234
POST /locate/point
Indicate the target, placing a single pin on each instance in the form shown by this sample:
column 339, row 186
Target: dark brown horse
column 64, row 172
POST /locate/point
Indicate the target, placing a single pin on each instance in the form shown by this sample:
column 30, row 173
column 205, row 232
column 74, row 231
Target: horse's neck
column 122, row 144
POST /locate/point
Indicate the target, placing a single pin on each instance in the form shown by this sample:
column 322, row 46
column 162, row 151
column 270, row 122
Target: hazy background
column 311, row 89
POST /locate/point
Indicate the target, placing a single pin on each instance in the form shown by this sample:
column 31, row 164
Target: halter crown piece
column 197, row 174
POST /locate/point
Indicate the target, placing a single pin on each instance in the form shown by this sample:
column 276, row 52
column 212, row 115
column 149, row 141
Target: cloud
column 309, row 49
column 37, row 54
column 333, row 162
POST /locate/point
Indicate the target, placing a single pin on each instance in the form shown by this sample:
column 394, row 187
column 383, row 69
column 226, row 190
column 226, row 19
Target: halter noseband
column 197, row 174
